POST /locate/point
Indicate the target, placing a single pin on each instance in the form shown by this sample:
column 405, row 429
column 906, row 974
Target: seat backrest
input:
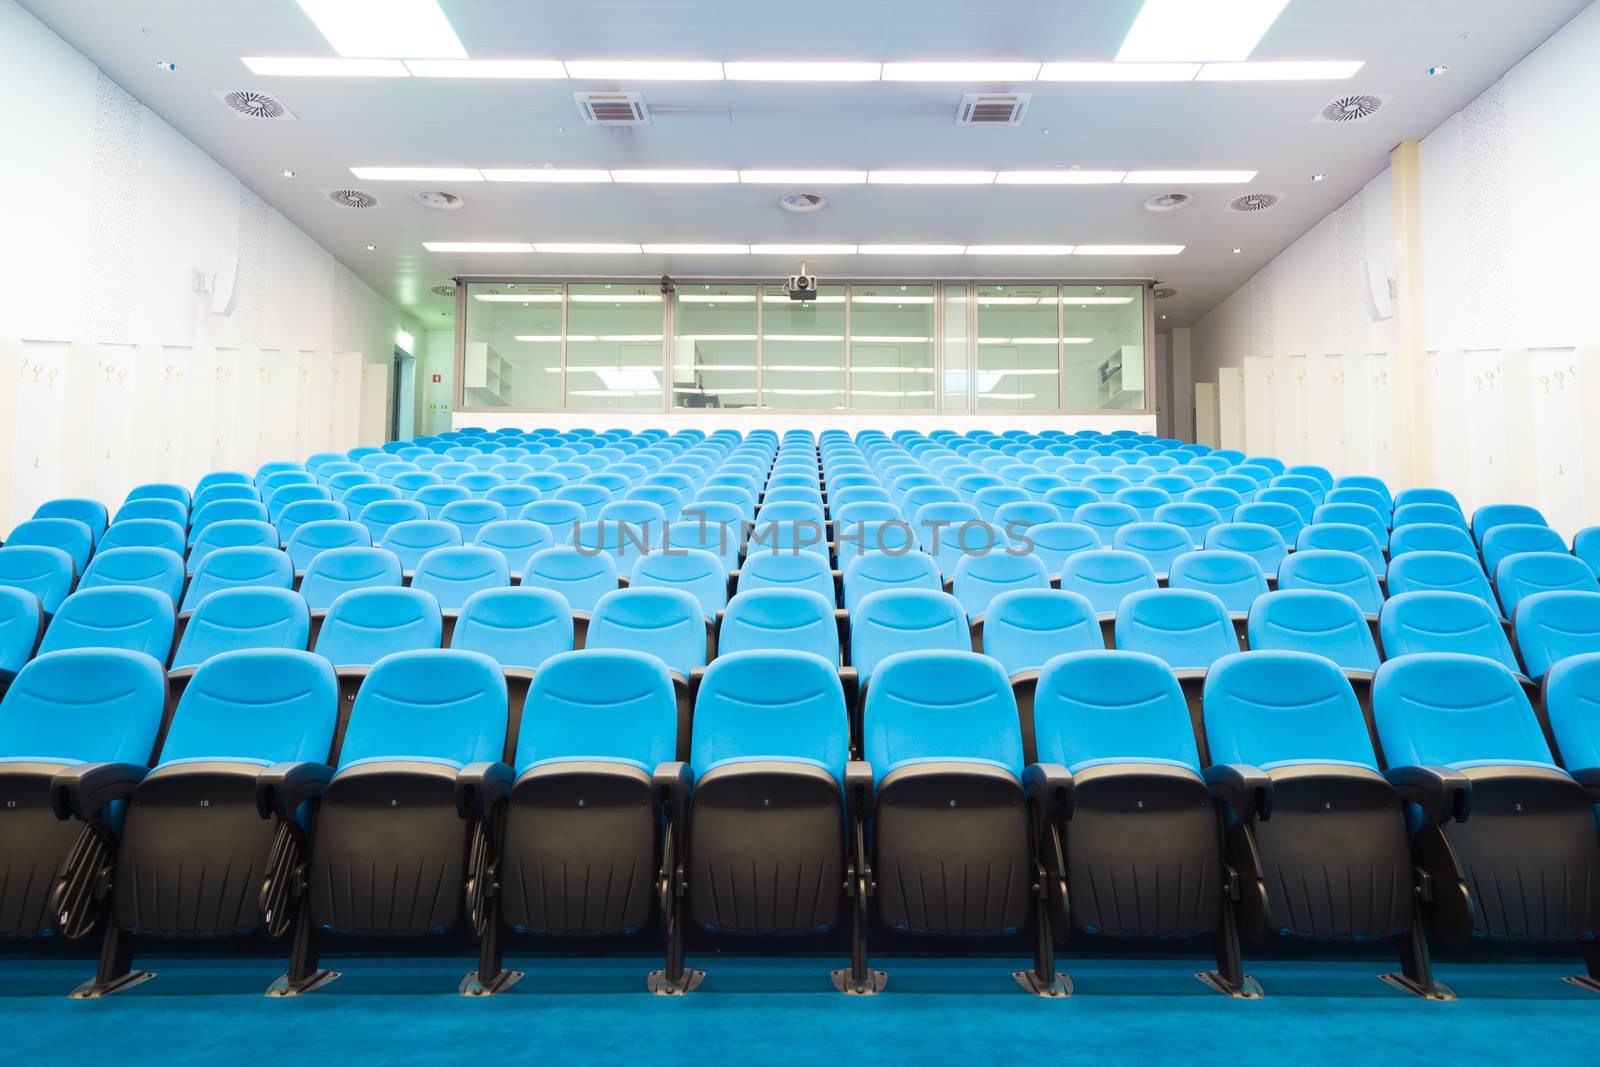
column 582, row 577
column 786, row 706
column 855, row 538
column 339, row 570
column 1096, row 706
column 243, row 618
column 153, row 568
column 695, row 571
column 1281, row 517
column 437, row 497
column 68, row 535
column 153, row 508
column 365, row 625
column 1336, row 572
column 1220, row 498
column 225, row 491
column 232, row 533
column 1572, row 703
column 1439, row 571
column 161, row 491
column 243, row 566
column 1105, row 576
column 144, row 533
column 1105, row 518
column 1556, row 625
column 1184, row 628
column 1158, row 542
column 1025, row 627
column 1354, row 514
column 519, row 628
column 1195, row 518
column 412, row 540
column 1442, row 621
column 1513, row 538
column 296, row 493
column 903, row 620
column 223, row 511
column 382, row 515
column 129, row 617
column 1343, row 537
column 798, row 620
column 979, row 579
column 21, row 623
column 439, row 705
column 470, row 516
column 1313, row 620
column 1262, row 543
column 84, row 706
column 1442, row 514
column 516, row 540
column 764, row 568
column 91, row 513
column 1270, row 709
column 667, row 623
column 1054, row 542
column 1351, row 494
column 1432, row 537
column 1301, row 500
column 260, row 705
column 877, row 571
column 1539, row 572
column 945, row 706
column 1489, row 516
column 1455, row 711
column 453, row 574
column 561, row 517
column 315, row 538
column 610, row 705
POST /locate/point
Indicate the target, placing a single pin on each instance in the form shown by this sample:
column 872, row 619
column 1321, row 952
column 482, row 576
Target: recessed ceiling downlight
column 803, row 203
column 439, row 200
column 1251, row 202
column 1352, row 108
column 1166, row 202
column 353, row 198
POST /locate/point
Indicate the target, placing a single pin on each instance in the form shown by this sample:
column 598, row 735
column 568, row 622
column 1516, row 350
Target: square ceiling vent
column 993, row 109
column 613, row 109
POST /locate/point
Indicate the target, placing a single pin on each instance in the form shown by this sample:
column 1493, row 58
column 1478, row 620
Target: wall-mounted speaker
column 1378, row 286
column 225, row 290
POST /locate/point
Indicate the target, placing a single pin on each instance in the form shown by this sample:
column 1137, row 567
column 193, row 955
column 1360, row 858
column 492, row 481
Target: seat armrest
column 1589, row 778
column 671, row 784
column 481, row 786
column 283, row 787
column 81, row 791
column 1245, row 789
column 1444, row 794
column 858, row 789
column 1050, row 786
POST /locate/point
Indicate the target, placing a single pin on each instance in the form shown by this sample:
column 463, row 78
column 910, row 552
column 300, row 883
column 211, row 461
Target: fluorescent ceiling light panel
column 518, row 298
column 803, row 71
column 1203, row 31
column 874, row 299
column 961, row 71
column 1315, row 70
column 417, row 174
column 1019, row 250
column 477, row 246
column 803, row 250
column 1059, row 177
column 931, row 177
column 911, row 250
column 533, row 339
column 486, row 68
column 322, row 67
column 549, row 175
column 803, row 177
column 385, row 29
column 618, row 298
column 715, row 298
column 698, row 250
column 658, row 70
column 1118, row 72
column 628, row 379
column 1126, row 250
column 1189, row 177
column 583, row 248
column 676, row 177
column 1084, row 301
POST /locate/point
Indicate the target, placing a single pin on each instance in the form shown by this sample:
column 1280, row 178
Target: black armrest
column 1444, row 794
column 1245, row 789
column 859, row 785
column 1049, row 785
column 283, row 787
column 1589, row 778
column 81, row 791
column 670, row 783
column 481, row 786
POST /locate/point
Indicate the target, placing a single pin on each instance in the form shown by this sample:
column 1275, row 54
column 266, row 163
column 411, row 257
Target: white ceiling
column 1269, row 127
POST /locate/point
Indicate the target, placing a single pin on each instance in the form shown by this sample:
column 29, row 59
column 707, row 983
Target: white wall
column 1508, row 291
column 124, row 373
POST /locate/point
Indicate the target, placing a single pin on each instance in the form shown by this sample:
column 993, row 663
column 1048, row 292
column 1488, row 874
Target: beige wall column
column 1413, row 400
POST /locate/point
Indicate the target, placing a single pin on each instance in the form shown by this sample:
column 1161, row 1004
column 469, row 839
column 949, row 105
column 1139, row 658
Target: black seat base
column 472, row 987
column 1436, row 991
column 1059, row 989
column 94, row 988
column 1245, row 989
column 285, row 985
column 871, row 985
column 660, row 985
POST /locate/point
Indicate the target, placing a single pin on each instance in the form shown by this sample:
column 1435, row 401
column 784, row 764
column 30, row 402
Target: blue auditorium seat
column 453, row 574
column 1055, row 542
column 1489, row 516
column 520, row 628
column 360, row 497
column 1068, row 499
column 516, row 540
column 1187, row 629
column 297, row 493
column 1233, row 577
column 21, row 623
column 1335, row 572
column 513, row 497
column 1317, row 621
column 1426, row 495
column 412, row 540
column 667, row 623
column 1509, row 539
column 69, row 720
column 1303, row 503
column 1556, row 625
column 1196, row 519
column 1343, row 537
column 1353, row 514
column 588, row 496
column 878, row 571
column 365, row 625
column 153, row 508
column 979, row 579
column 1281, row 517
column 1158, row 542
column 1442, row 514
column 1262, row 543
column 904, row 620
column 1025, row 627
column 1586, row 546
column 231, row 533
column 68, row 535
column 694, row 571
column 225, row 491
column 128, row 617
column 91, row 513
column 582, row 578
column 560, row 517
column 1528, row 573
column 1421, row 571
column 315, row 538
column 153, row 568
column 1524, row 850
column 1571, row 700
column 380, row 516
column 413, row 482
column 865, row 511
column 1105, row 576
column 1221, row 499
column 144, row 533
column 771, row 619
column 224, row 511
column 45, row 572
column 1443, row 621
column 244, row 618
column 765, row 568
column 160, row 491
column 1105, row 518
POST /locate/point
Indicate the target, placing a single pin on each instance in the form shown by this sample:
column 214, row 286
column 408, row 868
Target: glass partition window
column 513, row 346
column 892, row 347
column 614, row 355
column 1019, row 365
column 803, row 349
column 714, row 346
column 1103, row 346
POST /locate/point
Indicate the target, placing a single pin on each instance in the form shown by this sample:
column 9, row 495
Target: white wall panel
column 374, row 404
column 40, row 414
column 1205, row 414
column 1230, row 408
column 111, row 425
column 1260, row 411
column 1556, row 477
column 1324, row 412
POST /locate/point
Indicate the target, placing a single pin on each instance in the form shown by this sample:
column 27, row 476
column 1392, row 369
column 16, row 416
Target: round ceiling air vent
column 353, row 198
column 439, row 201
column 801, row 203
column 1352, row 108
column 1164, row 294
column 1253, row 202
column 1167, row 202
column 254, row 105
column 443, row 290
